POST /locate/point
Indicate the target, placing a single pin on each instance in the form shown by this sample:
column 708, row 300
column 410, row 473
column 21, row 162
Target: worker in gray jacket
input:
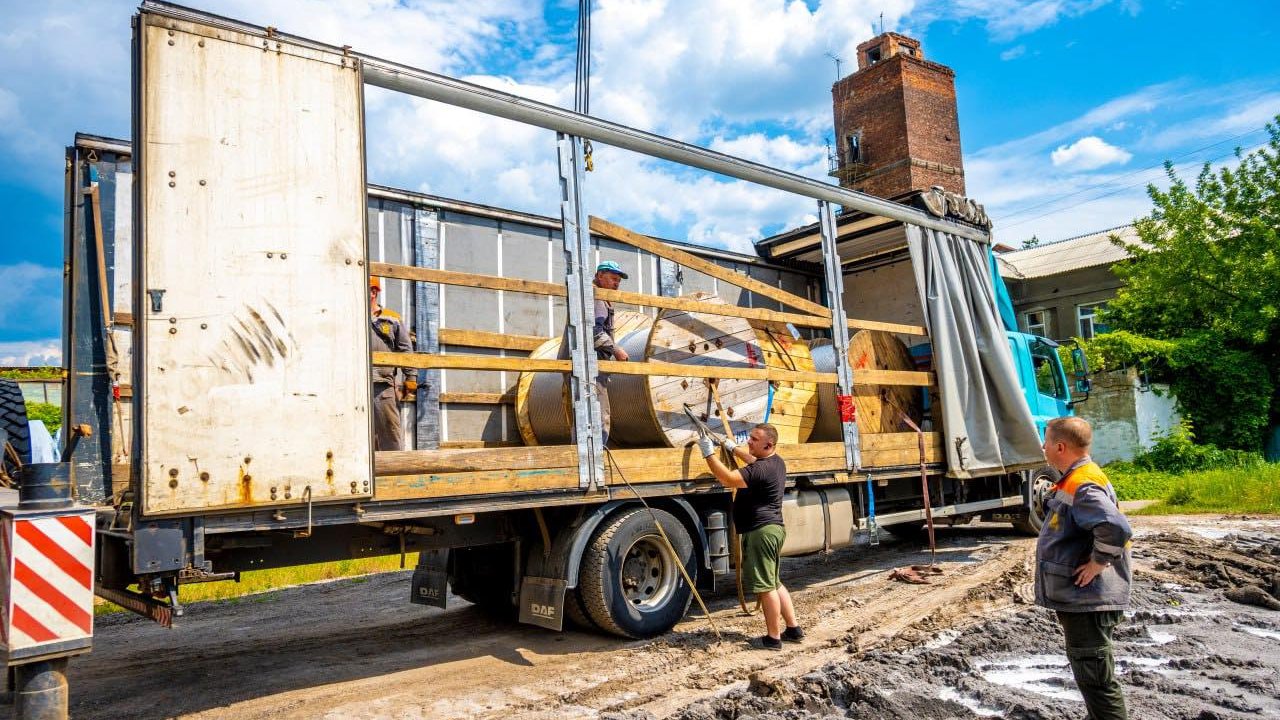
column 1083, row 564
column 609, row 276
column 387, row 333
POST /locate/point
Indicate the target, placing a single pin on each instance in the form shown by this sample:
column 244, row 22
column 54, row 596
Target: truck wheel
column 629, row 581
column 1042, row 481
column 576, row 611
column 484, row 577
column 13, row 426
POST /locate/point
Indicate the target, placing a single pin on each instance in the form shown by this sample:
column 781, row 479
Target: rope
column 663, row 533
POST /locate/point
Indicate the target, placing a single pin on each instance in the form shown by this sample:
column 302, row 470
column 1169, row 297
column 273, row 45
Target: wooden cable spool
column 878, row 407
column 537, row 418
column 648, row 411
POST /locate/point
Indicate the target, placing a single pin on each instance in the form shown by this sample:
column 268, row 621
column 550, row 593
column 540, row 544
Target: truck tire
column 484, row 576
column 576, row 611
column 629, row 581
column 1042, row 481
column 13, row 426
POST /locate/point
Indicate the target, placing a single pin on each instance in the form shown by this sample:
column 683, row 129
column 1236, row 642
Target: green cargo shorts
column 761, row 551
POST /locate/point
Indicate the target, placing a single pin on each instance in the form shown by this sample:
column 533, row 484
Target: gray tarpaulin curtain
column 985, row 420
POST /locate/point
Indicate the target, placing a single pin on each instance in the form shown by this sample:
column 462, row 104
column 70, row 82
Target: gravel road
column 967, row 645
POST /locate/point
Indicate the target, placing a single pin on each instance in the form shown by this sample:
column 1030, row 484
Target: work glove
column 707, row 446
column 728, row 444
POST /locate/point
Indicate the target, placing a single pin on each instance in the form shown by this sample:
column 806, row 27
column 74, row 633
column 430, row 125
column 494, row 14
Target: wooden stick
column 479, row 338
column 479, row 398
column 650, row 368
column 96, row 208
column 535, row 287
column 663, row 250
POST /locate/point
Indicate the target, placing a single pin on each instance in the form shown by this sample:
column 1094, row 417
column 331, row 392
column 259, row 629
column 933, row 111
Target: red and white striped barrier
column 47, row 586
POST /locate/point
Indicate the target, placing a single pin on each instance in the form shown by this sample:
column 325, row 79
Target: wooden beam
column 461, row 279
column 479, row 398
column 652, row 367
column 663, row 250
column 501, row 341
column 412, row 474
column 493, row 282
column 407, row 462
column 486, row 362
column 764, row 314
column 426, row 361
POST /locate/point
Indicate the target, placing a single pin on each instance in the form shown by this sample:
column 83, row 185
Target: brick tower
column 897, row 129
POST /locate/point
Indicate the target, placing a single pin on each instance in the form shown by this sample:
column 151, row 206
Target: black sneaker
column 793, row 634
column 768, row 643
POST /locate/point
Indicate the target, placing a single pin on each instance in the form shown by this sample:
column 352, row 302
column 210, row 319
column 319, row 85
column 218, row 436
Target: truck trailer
column 217, row 358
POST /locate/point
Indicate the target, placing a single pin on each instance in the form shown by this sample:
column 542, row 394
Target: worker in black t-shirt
column 757, row 515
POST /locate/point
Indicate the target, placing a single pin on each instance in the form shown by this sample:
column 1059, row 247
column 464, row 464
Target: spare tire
column 14, row 431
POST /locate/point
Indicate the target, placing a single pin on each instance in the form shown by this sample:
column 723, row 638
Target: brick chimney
column 897, row 128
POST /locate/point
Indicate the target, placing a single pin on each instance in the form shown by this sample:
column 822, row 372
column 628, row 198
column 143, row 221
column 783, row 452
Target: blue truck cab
column 1041, row 376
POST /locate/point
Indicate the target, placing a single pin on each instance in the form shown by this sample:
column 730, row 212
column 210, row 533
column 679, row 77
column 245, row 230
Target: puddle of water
column 1158, row 637
column 1031, row 674
column 1210, row 532
column 1260, row 632
column 1142, row 662
column 949, row 693
column 942, row 639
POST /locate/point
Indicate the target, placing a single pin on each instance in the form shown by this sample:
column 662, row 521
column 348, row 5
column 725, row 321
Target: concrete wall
column 1126, row 420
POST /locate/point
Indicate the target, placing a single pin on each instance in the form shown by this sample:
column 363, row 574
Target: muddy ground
column 968, row 645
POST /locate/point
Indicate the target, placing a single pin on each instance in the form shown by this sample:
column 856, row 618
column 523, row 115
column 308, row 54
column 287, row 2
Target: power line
column 1025, row 210
column 1097, row 198
column 1122, row 188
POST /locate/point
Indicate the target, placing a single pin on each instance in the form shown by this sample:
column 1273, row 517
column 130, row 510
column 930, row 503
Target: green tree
column 1205, row 275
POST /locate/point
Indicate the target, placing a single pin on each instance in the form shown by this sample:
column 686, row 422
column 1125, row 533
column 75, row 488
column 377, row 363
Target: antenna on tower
column 837, row 59
column 881, row 23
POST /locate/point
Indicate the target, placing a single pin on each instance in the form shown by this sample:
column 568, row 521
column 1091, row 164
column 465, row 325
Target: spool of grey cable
column 648, row 410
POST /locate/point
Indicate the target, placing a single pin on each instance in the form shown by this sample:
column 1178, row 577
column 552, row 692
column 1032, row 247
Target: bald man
column 1083, row 564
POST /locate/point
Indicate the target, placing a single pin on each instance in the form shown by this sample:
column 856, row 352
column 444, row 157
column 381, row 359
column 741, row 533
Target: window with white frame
column 1087, row 317
column 1037, row 323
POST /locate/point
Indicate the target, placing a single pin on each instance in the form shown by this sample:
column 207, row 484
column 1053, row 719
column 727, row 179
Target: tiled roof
column 1062, row 256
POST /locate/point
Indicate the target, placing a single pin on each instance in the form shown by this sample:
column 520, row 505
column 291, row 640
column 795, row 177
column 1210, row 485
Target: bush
column 48, row 413
column 1177, row 452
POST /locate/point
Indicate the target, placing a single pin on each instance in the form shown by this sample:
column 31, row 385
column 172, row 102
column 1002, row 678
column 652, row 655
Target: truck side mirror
column 1080, row 363
column 1080, row 371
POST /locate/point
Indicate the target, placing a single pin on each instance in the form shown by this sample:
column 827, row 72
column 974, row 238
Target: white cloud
column 31, row 353
column 1014, row 53
column 1089, row 153
column 1008, row 19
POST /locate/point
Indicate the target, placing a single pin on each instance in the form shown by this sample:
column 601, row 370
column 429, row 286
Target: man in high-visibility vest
column 1083, row 564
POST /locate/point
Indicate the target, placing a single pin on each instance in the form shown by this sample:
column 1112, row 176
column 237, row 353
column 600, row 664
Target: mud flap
column 542, row 602
column 430, row 584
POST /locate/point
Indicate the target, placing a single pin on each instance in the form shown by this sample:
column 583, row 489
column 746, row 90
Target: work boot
column 793, row 634
column 768, row 643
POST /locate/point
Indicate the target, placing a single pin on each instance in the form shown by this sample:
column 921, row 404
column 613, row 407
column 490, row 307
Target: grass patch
column 1238, row 490
column 260, row 583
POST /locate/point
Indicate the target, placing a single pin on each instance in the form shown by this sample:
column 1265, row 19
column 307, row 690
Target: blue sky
column 1067, row 107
